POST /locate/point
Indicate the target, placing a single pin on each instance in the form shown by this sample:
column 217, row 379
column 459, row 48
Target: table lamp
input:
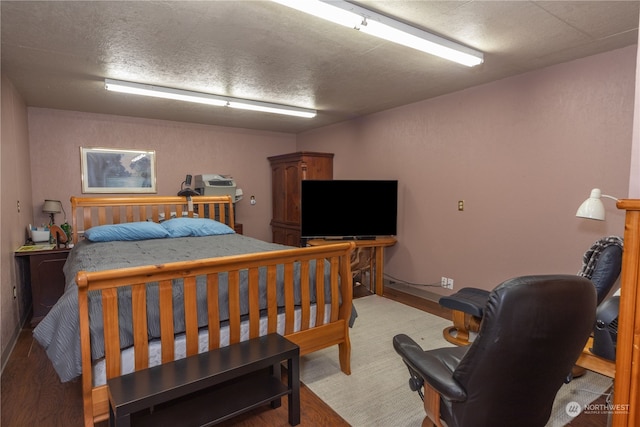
column 52, row 207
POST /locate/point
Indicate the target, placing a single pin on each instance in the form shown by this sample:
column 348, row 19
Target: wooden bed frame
column 88, row 212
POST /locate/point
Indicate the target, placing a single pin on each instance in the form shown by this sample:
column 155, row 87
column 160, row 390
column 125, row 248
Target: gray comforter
column 59, row 331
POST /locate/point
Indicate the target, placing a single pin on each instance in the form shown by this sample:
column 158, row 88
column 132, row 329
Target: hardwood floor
column 32, row 395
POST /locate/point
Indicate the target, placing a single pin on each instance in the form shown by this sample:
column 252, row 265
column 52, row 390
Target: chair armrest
column 468, row 300
column 434, row 367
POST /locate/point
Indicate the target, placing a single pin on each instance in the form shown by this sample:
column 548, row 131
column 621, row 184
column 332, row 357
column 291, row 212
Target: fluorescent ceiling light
column 205, row 98
column 356, row 17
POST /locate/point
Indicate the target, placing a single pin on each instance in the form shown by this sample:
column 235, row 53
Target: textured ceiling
column 58, row 53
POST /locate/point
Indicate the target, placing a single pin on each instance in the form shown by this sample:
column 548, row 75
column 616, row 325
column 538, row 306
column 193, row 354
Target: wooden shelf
column 376, row 266
column 215, row 405
column 595, row 363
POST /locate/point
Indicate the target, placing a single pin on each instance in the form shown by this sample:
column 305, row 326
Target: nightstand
column 237, row 227
column 42, row 270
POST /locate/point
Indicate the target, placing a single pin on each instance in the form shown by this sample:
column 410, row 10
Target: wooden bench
column 210, row 387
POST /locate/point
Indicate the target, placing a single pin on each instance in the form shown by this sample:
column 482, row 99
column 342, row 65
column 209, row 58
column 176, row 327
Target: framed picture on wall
column 112, row 170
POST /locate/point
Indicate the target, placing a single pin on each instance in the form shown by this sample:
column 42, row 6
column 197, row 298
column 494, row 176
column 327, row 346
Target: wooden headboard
column 87, row 212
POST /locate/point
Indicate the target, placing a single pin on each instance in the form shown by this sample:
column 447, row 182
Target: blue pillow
column 184, row 227
column 143, row 230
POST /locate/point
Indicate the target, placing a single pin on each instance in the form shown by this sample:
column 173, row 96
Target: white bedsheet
column 155, row 355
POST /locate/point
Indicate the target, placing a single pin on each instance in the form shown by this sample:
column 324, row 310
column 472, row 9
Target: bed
column 150, row 301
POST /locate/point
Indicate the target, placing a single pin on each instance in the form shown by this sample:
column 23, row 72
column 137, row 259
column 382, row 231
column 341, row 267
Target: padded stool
column 467, row 306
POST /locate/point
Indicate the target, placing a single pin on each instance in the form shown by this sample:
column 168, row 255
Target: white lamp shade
column 592, row 208
column 52, row 206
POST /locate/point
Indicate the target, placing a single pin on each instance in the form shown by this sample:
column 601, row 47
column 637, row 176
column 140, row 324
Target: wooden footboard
column 323, row 334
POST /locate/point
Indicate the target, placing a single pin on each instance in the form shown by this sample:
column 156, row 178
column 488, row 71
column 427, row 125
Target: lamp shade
column 593, row 208
column 52, row 206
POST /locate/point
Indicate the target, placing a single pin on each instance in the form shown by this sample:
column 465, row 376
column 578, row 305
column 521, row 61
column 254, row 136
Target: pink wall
column 16, row 187
column 181, row 148
column 522, row 153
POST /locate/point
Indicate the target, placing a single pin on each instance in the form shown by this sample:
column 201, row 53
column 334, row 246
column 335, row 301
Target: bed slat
column 320, row 304
column 115, row 215
column 129, row 214
column 234, row 307
column 335, row 288
column 254, row 303
column 272, row 300
column 102, row 215
column 166, row 320
column 140, row 335
column 288, row 299
column 213, row 311
column 305, row 301
column 191, row 315
column 86, row 222
column 111, row 331
column 142, row 214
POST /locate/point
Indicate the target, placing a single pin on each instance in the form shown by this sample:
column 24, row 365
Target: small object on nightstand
column 38, row 234
column 59, row 236
column 35, row 248
column 68, row 230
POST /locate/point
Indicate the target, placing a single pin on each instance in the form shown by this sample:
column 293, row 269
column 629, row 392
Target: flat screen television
column 348, row 209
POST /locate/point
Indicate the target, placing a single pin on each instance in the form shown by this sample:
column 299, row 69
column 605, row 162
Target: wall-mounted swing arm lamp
column 593, row 208
column 205, row 98
column 359, row 18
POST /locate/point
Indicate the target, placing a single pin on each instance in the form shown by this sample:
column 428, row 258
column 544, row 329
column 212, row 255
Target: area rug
column 377, row 391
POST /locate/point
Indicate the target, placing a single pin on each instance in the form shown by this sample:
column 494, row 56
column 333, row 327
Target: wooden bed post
column 87, row 380
column 626, row 391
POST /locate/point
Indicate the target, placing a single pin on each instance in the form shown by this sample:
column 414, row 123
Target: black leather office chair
column 601, row 264
column 532, row 332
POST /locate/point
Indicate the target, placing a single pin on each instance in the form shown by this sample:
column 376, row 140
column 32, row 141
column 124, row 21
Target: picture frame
column 114, row 170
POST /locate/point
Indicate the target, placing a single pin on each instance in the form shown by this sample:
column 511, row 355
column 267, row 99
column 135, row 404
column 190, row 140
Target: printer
column 218, row 185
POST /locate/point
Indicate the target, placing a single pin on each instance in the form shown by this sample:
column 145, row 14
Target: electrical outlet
column 460, row 205
column 15, row 293
column 18, row 206
column 446, row 282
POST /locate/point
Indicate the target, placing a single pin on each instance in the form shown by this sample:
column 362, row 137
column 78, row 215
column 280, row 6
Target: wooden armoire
column 287, row 173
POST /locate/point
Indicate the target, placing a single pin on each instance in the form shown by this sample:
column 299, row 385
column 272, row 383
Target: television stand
column 376, row 266
column 359, row 238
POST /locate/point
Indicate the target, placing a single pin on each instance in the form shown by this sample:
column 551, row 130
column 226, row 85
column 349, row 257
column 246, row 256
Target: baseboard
column 418, row 291
column 416, row 297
